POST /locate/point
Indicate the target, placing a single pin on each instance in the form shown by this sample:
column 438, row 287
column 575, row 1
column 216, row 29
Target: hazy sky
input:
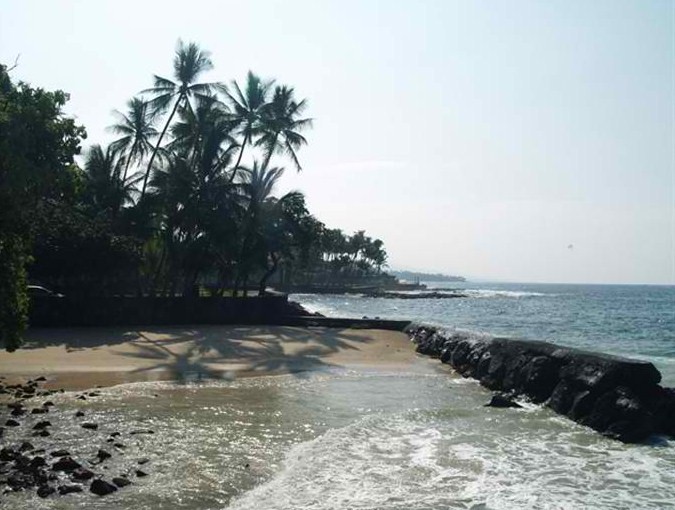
column 523, row 141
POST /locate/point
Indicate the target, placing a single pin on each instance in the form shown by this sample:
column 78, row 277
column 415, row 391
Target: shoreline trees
column 182, row 202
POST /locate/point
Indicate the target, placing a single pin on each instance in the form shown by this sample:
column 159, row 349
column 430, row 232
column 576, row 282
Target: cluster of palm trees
column 342, row 259
column 190, row 177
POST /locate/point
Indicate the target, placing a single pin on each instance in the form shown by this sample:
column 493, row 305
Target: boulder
column 103, row 455
column 66, row 464
column 502, row 400
column 121, row 481
column 45, row 491
column 81, row 474
column 102, row 488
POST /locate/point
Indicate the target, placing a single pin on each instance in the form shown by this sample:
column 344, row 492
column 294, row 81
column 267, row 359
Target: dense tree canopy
column 182, row 201
column 37, row 146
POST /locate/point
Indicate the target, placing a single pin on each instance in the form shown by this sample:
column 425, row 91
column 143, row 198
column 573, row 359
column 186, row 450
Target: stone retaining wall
column 616, row 396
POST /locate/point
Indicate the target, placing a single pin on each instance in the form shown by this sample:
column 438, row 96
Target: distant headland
column 413, row 276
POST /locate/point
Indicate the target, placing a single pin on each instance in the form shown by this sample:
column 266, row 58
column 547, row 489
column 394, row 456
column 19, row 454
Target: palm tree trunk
column 268, row 274
column 159, row 142
column 241, row 153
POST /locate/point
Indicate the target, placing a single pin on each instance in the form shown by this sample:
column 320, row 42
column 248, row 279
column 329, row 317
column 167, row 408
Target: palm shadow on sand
column 250, row 349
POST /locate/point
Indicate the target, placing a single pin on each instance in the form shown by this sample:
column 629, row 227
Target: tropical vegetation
column 182, row 202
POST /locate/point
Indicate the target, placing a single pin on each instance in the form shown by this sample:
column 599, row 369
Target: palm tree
column 205, row 132
column 248, row 106
column 106, row 190
column 281, row 124
column 188, row 64
column 257, row 186
column 137, row 133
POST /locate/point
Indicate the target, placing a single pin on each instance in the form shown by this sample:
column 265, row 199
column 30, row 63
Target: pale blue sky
column 473, row 137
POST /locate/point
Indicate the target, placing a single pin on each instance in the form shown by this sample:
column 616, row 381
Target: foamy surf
column 433, row 461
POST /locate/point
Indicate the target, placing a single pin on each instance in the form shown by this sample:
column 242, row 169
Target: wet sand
column 78, row 358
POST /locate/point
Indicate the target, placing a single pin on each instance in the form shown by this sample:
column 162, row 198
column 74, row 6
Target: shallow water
column 353, row 439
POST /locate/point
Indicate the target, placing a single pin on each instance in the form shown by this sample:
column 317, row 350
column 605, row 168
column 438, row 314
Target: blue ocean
column 630, row 320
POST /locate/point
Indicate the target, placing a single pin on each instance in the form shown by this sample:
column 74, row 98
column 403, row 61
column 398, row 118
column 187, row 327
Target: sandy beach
column 78, row 358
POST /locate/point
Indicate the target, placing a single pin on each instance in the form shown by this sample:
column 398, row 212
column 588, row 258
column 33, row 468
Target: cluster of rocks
column 52, row 470
column 616, row 396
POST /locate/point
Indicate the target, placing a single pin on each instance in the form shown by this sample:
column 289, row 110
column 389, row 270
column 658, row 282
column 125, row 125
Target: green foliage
column 162, row 212
column 37, row 146
column 13, row 298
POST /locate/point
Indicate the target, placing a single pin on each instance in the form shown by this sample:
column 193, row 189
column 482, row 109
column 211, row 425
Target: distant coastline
column 413, row 276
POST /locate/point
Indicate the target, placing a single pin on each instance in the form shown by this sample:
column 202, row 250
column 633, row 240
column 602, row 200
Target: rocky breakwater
column 619, row 397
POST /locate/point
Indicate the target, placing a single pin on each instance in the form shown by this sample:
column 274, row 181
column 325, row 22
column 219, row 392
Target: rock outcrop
column 616, row 396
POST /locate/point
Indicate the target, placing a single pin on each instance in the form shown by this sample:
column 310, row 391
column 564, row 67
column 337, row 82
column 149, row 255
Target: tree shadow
column 245, row 350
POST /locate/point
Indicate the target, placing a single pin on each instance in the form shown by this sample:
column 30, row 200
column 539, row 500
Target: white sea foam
column 401, row 462
column 491, row 293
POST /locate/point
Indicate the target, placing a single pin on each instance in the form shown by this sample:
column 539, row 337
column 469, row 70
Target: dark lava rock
column 18, row 411
column 26, row 447
column 102, row 488
column 141, row 474
column 115, row 434
column 40, row 379
column 103, row 455
column 36, row 463
column 81, row 397
column 39, row 410
column 79, row 414
column 69, row 489
column 142, row 461
column 41, row 425
column 82, row 474
column 121, row 481
column 49, row 403
column 45, row 491
column 66, row 464
column 7, row 454
column 60, row 453
column 19, row 481
column 42, row 433
column 504, row 401
column 119, row 445
column 12, row 423
column 90, row 426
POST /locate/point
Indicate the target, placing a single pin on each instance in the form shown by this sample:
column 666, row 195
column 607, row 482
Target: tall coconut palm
column 188, row 64
column 281, row 124
column 205, row 132
column 137, row 130
column 248, row 106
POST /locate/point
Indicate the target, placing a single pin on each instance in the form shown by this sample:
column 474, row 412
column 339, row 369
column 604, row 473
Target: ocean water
column 419, row 439
column 630, row 320
column 351, row 440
